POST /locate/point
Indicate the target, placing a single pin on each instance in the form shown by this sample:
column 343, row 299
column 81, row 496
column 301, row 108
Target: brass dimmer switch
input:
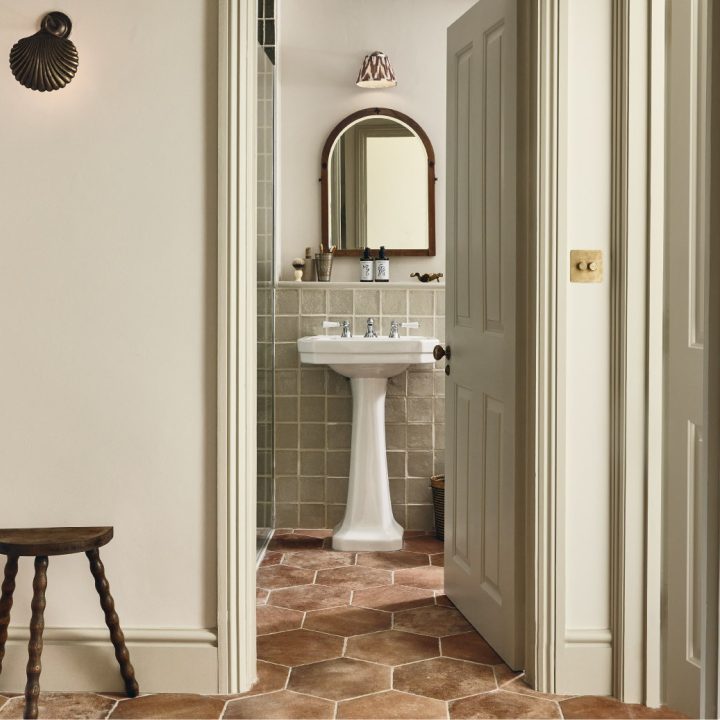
column 586, row 266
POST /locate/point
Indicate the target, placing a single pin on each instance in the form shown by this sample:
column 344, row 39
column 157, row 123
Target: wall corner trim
column 237, row 391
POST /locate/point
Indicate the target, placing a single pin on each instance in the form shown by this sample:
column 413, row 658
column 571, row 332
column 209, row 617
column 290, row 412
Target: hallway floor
column 355, row 635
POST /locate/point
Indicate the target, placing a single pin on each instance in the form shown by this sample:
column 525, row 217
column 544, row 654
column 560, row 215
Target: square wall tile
column 313, row 302
column 421, row 302
column 286, row 328
column 339, row 436
column 312, row 409
column 312, row 436
column 312, row 489
column 312, row 515
column 340, row 302
column 287, row 301
column 366, row 303
column 394, row 303
column 336, row 490
column 287, row 515
column 420, row 517
column 286, row 489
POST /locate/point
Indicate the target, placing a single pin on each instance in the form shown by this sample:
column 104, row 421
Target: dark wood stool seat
column 31, row 542
column 43, row 543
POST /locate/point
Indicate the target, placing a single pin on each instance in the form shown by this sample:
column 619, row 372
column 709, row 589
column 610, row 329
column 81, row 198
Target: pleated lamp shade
column 376, row 72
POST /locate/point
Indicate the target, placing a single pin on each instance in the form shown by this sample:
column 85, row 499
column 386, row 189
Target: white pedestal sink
column 368, row 362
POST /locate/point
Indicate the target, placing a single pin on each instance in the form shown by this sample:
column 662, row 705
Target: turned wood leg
column 112, row 621
column 6, row 601
column 35, row 646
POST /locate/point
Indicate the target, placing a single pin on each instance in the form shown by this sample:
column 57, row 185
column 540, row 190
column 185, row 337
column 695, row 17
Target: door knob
column 440, row 352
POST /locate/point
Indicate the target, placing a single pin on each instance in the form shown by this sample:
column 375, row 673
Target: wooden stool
column 41, row 543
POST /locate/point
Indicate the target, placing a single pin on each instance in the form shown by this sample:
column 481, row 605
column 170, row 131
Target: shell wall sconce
column 47, row 60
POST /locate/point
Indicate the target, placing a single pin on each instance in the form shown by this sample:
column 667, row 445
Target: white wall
column 322, row 45
column 108, row 310
column 584, row 651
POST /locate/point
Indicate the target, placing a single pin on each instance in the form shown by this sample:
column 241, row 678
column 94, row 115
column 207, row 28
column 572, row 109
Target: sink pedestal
column 368, row 523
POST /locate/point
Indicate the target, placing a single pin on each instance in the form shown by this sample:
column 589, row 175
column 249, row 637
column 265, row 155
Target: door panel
column 481, row 537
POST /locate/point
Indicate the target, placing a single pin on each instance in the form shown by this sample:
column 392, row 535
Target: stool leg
column 35, row 646
column 112, row 621
column 6, row 601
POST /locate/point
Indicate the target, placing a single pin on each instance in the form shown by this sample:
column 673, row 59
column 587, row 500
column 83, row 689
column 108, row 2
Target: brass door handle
column 440, row 352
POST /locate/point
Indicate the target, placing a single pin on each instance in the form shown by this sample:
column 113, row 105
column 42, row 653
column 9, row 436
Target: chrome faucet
column 395, row 327
column 370, row 329
column 344, row 324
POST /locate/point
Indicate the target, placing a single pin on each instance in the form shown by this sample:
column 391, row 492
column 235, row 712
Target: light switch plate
column 581, row 262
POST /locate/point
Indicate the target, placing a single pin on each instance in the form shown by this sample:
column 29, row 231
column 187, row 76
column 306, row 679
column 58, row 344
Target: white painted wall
column 322, row 45
column 108, row 308
column 584, row 654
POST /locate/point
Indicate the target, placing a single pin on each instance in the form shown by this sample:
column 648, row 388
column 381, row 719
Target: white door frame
column 237, row 311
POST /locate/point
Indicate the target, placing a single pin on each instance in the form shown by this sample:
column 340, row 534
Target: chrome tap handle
column 344, row 324
column 370, row 329
column 394, row 329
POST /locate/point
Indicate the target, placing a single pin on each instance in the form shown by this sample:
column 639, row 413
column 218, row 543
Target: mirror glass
column 378, row 175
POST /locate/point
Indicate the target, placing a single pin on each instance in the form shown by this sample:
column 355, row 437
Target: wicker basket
column 437, row 483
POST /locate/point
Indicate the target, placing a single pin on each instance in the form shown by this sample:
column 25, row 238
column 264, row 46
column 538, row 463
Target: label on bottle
column 382, row 270
column 366, row 271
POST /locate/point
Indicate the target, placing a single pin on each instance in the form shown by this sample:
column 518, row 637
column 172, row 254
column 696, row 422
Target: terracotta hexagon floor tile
column 170, row 705
column 271, row 558
column 298, row 647
column 392, row 647
column 261, row 596
column 391, row 560
column 432, row 620
column 642, row 712
column 504, row 675
column 340, row 679
column 519, row 685
column 444, row 600
column 282, row 576
column 284, row 704
column 347, row 621
column 503, row 704
column 444, row 678
column 62, row 705
column 431, row 577
column 592, row 706
column 438, row 559
column 393, row 598
column 309, row 597
column 271, row 678
column 423, row 544
column 290, row 542
column 319, row 559
column 469, row 646
column 354, row 577
column 392, row 705
column 271, row 619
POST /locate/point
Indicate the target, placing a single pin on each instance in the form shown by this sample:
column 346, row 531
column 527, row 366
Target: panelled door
column 482, row 542
column 686, row 240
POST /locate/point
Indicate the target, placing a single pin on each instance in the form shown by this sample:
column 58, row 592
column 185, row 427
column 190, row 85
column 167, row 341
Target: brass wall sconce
column 47, row 60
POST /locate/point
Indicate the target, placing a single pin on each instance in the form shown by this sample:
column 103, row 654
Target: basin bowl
column 360, row 357
column 368, row 523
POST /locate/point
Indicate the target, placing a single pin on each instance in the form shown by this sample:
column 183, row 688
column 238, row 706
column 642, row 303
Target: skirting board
column 585, row 663
column 82, row 659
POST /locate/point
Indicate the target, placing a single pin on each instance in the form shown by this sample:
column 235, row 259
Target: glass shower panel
column 265, row 272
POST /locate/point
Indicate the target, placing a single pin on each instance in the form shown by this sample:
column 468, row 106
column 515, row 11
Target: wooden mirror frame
column 325, row 189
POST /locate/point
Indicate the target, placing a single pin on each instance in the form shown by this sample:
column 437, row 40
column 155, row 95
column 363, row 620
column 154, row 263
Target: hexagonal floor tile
column 428, row 544
column 339, row 679
column 519, row 685
column 469, row 646
column 271, row 558
column 432, row 620
column 271, row 619
column 284, row 704
column 166, row 705
column 271, row 678
column 393, row 598
column 347, row 621
column 431, row 577
column 391, row 560
column 282, row 576
column 392, row 704
column 316, row 532
column 354, row 577
column 309, row 597
column 444, row 678
column 504, row 675
column 289, row 542
column 298, row 647
column 591, row 706
column 504, row 705
column 319, row 559
column 392, row 647
column 261, row 596
column 61, row 705
column 444, row 600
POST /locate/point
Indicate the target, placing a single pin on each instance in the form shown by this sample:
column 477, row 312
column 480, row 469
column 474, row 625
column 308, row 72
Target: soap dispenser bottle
column 366, row 266
column 382, row 266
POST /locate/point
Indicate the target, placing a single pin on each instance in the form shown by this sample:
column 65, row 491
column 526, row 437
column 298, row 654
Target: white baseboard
column 585, row 663
column 83, row 659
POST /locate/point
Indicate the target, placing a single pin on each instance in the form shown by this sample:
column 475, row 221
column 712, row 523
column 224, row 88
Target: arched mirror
column 378, row 185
